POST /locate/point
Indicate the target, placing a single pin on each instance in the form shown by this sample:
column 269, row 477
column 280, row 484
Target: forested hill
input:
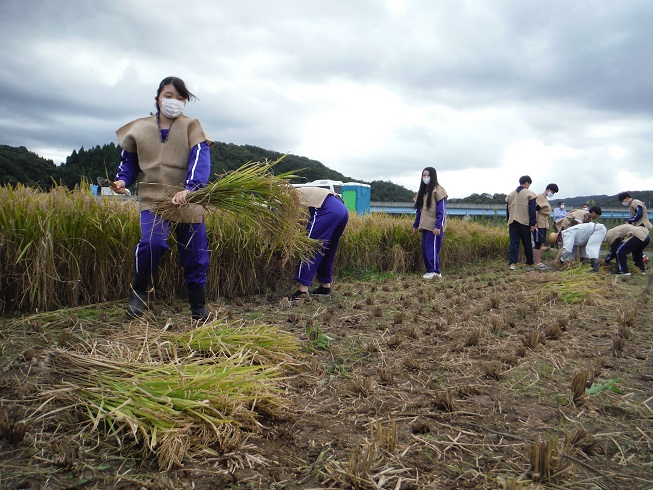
column 19, row 165
column 602, row 200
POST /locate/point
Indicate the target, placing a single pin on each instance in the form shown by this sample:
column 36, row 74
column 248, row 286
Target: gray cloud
column 483, row 91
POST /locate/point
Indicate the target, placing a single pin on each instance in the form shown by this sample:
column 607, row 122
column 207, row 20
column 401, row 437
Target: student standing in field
column 431, row 219
column 328, row 217
column 559, row 212
column 542, row 213
column 521, row 213
column 627, row 239
column 172, row 152
column 636, row 209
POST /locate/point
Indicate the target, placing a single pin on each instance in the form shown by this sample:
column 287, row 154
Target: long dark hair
column 179, row 85
column 426, row 189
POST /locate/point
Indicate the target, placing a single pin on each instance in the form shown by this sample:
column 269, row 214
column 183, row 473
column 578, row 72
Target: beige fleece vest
column 626, row 232
column 544, row 212
column 518, row 205
column 573, row 218
column 643, row 221
column 427, row 215
column 313, row 197
column 164, row 165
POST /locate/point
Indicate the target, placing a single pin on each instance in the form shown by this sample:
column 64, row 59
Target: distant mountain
column 18, row 165
column 606, row 201
column 602, row 200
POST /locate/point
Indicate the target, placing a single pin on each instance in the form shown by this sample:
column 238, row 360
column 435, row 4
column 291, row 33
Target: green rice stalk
column 190, row 404
column 577, row 284
column 265, row 343
column 257, row 198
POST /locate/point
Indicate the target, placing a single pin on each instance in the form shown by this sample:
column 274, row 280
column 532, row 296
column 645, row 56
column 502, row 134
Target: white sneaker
column 430, row 275
column 513, row 267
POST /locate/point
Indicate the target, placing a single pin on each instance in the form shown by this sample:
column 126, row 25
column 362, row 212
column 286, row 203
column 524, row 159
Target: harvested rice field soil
column 486, row 379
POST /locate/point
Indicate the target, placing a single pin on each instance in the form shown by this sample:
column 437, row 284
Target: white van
column 332, row 185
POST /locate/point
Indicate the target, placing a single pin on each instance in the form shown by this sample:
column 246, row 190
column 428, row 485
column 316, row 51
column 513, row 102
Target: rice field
column 487, row 379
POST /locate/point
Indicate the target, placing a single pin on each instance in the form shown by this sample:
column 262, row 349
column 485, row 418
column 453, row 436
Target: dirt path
column 401, row 383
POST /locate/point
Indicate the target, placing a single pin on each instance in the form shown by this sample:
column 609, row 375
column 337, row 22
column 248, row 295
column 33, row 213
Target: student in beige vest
column 627, row 239
column 520, row 213
column 636, row 209
column 328, row 217
column 172, row 153
column 431, row 220
column 542, row 213
column 577, row 217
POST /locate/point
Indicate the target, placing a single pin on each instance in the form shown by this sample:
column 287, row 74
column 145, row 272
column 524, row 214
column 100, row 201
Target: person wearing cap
column 636, row 210
column 542, row 212
column 520, row 213
column 584, row 240
column 627, row 239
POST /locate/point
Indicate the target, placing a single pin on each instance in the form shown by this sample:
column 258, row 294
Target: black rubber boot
column 197, row 300
column 595, row 265
column 138, row 295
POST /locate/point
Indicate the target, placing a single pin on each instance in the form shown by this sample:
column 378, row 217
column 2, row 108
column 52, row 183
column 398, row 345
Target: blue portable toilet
column 356, row 197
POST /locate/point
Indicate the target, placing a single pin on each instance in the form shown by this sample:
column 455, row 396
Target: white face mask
column 426, row 180
column 626, row 204
column 562, row 206
column 172, row 108
column 549, row 194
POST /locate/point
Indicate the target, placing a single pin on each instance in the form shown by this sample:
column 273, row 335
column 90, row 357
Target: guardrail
column 475, row 210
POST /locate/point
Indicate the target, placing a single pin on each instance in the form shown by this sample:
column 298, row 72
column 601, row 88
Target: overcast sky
column 483, row 90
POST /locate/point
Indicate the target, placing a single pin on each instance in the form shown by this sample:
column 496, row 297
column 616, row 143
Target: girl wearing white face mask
column 542, row 213
column 431, row 219
column 173, row 153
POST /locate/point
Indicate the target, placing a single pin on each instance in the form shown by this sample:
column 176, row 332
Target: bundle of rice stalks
column 176, row 410
column 254, row 195
column 577, row 284
column 264, row 343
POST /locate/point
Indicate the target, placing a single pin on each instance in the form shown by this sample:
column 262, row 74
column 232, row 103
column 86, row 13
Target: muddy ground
column 488, row 378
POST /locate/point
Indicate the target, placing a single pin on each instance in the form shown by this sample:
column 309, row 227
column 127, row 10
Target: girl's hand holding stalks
column 180, row 197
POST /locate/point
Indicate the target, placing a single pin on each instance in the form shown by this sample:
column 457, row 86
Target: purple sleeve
column 128, row 169
column 199, row 167
column 440, row 213
column 418, row 215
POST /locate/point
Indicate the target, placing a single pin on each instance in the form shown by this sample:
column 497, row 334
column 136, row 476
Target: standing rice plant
column 67, row 248
column 53, row 250
column 372, row 243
